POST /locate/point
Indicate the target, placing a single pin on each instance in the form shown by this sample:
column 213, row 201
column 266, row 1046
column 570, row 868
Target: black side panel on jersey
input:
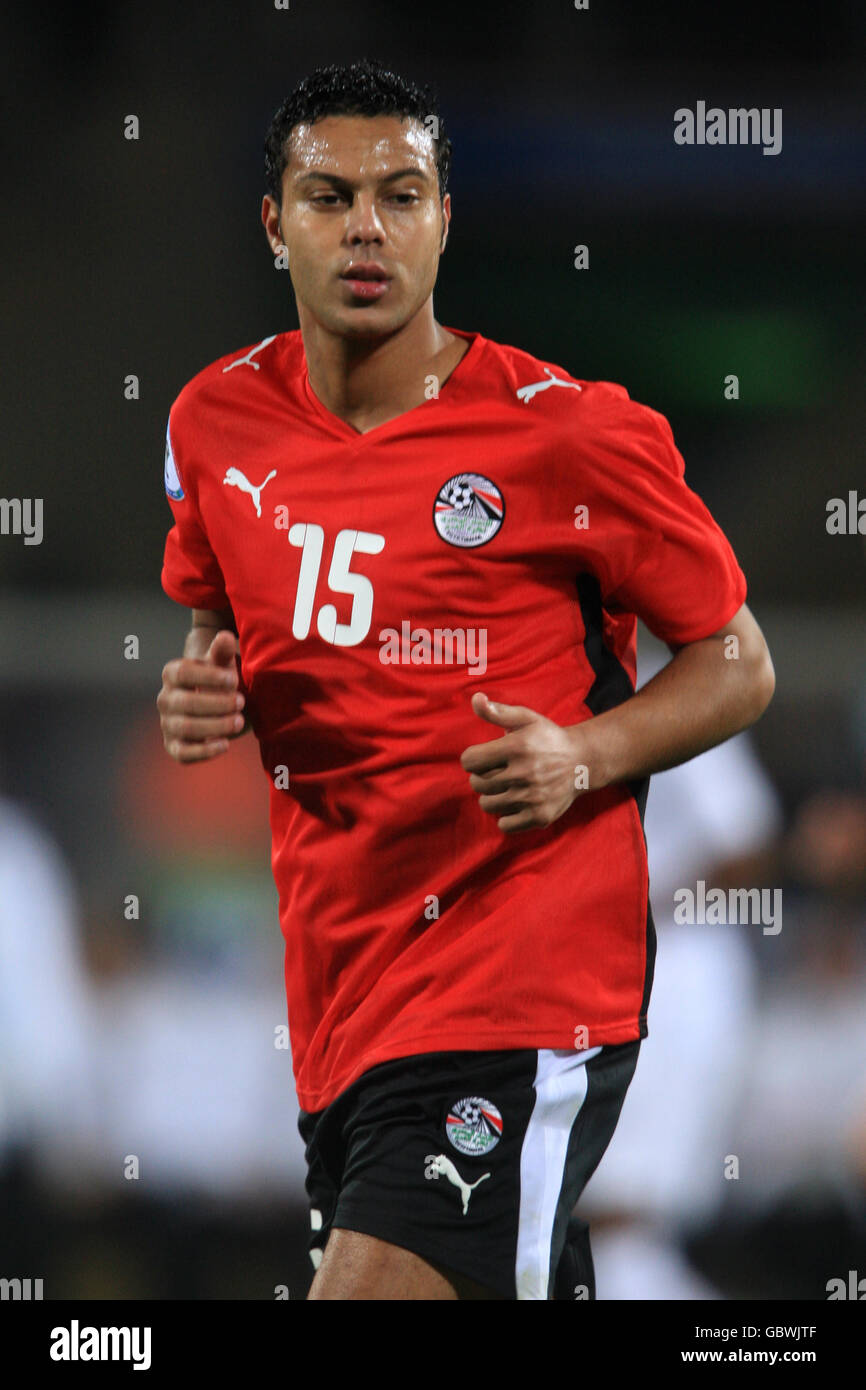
column 610, row 688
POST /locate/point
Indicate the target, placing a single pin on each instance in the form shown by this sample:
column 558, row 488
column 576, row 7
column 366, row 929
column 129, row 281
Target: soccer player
column 414, row 559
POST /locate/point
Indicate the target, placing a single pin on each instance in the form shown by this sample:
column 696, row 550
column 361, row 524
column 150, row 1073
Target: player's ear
column 271, row 222
column 446, row 218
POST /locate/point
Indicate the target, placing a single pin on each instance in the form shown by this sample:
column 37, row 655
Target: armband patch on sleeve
column 172, row 481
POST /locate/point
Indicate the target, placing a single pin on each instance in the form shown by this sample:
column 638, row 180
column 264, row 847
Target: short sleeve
column 191, row 574
column 672, row 564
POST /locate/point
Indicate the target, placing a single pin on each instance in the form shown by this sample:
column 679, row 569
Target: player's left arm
column 709, row 691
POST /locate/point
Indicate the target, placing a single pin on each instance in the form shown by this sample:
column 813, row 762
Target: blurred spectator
column 663, row 1173
column 804, row 1117
column 47, row 1102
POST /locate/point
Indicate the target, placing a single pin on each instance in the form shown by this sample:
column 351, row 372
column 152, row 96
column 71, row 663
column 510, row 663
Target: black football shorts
column 473, row 1160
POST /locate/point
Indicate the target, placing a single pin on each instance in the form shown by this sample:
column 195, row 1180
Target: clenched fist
column 200, row 703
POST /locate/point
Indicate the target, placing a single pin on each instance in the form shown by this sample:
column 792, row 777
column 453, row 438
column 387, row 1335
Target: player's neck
column 366, row 382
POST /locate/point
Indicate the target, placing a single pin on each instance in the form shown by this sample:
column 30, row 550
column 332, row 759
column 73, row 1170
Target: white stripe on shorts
column 560, row 1090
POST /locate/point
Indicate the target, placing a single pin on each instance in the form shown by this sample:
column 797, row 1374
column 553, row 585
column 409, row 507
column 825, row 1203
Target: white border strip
column 560, row 1090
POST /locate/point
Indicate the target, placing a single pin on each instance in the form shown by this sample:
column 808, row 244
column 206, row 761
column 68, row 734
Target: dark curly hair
column 363, row 88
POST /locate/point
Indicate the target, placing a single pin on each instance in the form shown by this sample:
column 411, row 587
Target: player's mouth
column 366, row 280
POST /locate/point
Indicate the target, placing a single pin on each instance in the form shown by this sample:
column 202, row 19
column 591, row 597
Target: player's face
column 360, row 189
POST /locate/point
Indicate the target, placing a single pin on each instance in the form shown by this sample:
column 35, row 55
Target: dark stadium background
column 148, row 257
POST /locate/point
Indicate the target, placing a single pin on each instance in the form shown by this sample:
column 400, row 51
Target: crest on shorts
column 469, row 510
column 474, row 1125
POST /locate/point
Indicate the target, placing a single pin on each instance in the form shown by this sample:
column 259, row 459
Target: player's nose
column 364, row 223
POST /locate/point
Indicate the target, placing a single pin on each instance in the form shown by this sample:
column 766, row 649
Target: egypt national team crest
column 468, row 510
column 474, row 1125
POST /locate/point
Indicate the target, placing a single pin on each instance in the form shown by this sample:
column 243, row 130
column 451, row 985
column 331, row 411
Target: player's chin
column 369, row 321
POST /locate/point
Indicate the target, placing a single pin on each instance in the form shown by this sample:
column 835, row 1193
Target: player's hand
column 200, row 704
column 530, row 776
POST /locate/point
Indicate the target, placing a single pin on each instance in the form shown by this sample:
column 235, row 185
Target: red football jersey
column 501, row 536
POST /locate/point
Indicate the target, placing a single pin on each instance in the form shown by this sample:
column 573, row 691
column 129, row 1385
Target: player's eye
column 329, row 199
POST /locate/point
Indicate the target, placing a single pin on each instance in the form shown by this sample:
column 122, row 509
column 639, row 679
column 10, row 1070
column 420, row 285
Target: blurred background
column 148, row 1146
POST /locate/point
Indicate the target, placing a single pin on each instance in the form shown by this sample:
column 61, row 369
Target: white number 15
column 310, row 539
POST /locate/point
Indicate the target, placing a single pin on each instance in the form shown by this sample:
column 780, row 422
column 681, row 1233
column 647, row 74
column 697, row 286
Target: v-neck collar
column 353, row 436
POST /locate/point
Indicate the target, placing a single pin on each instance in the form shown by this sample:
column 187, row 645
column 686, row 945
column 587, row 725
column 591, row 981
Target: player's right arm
column 200, row 704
